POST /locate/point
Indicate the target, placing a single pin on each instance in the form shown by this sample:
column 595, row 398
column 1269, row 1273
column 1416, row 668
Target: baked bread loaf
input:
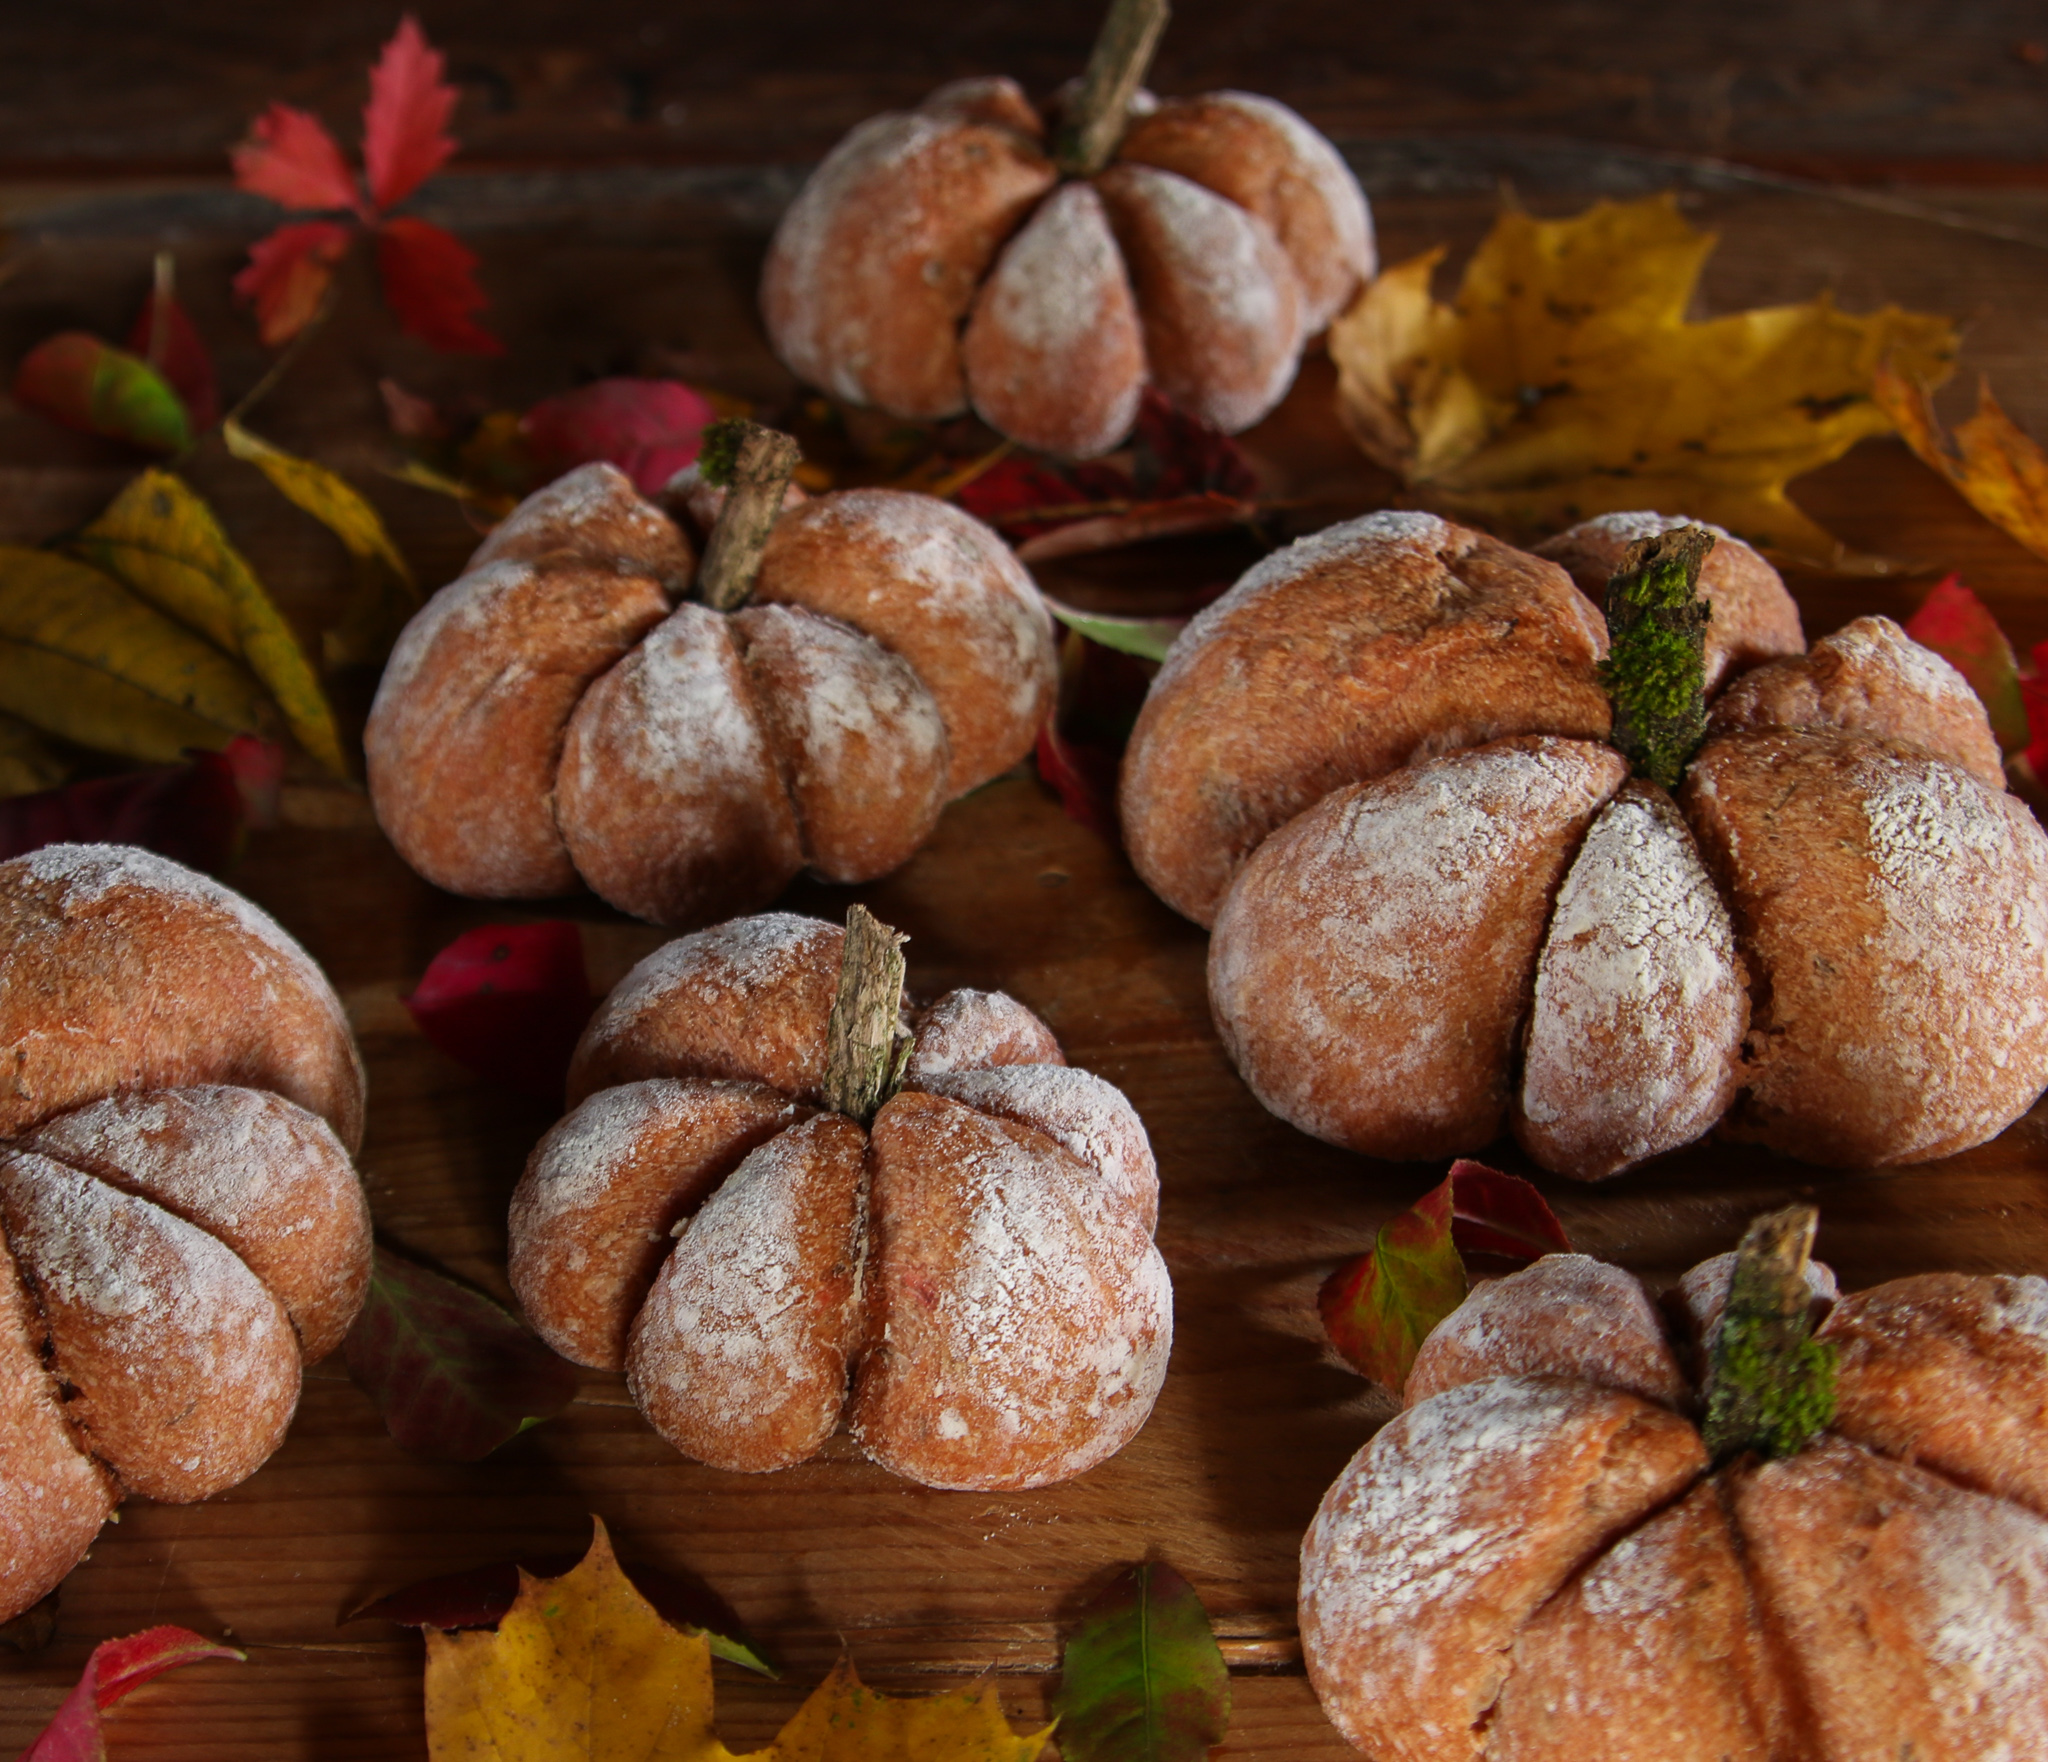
column 1441, row 910
column 936, row 261
column 969, row 1280
column 1537, row 1560
column 181, row 1228
column 554, row 715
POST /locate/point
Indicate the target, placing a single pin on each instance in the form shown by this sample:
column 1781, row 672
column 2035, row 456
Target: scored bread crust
column 970, row 1283
column 1831, row 1604
column 178, row 1234
column 552, row 717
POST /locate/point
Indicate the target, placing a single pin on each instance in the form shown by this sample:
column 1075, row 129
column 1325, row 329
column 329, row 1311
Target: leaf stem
column 1770, row 1384
column 286, row 359
column 867, row 1048
column 1093, row 126
column 755, row 465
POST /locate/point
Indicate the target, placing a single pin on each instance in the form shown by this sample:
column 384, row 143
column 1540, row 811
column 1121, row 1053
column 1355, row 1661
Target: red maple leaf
column 428, row 275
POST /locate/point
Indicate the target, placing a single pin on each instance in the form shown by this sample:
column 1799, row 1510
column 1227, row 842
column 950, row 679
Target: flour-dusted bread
column 1226, row 233
column 553, row 716
column 1536, row 1564
column 180, row 1225
column 969, row 1283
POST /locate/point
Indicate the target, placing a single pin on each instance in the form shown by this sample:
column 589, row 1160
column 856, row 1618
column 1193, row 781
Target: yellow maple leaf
column 1565, row 381
column 1998, row 468
column 583, row 1669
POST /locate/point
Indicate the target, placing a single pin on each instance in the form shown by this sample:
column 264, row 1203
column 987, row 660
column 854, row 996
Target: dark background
column 1862, row 90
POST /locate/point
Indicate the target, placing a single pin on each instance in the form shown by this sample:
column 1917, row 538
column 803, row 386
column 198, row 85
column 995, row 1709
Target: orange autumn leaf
column 1997, row 467
column 582, row 1669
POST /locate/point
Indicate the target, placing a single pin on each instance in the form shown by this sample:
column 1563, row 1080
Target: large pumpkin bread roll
column 967, row 1280
column 181, row 1229
column 553, row 715
column 936, row 260
column 1535, row 1563
column 1831, row 939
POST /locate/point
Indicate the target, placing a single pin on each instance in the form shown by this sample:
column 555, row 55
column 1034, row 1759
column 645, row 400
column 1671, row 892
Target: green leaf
column 1142, row 1678
column 163, row 541
column 84, row 383
column 386, row 594
column 453, row 1374
column 1379, row 1308
column 1147, row 638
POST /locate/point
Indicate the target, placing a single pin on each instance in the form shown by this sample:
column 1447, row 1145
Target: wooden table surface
column 595, row 267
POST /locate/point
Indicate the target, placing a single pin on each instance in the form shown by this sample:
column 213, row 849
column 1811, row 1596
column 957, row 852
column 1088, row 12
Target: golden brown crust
column 976, row 1030
column 121, row 970
column 1338, row 659
column 1872, row 678
column 1218, row 299
column 747, row 1001
column 263, row 1176
column 739, row 1355
column 593, row 1213
column 594, row 515
column 184, row 1367
column 1951, row 1372
column 1266, row 159
column 53, row 1497
column 935, row 586
column 1652, row 1654
column 467, row 728
column 877, row 260
column 1893, row 913
column 1450, row 1529
column 1372, row 961
column 986, row 98
column 1054, row 354
column 1020, row 1316
column 1915, row 1613
column 857, row 740
column 1567, row 1315
column 667, row 795
column 1754, row 618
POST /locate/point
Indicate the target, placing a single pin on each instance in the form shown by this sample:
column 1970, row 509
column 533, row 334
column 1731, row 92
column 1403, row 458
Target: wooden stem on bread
column 1656, row 670
column 1770, row 1384
column 866, row 1047
column 1093, row 126
column 754, row 465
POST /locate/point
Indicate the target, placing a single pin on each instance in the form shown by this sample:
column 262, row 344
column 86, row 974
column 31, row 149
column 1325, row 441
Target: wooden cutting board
column 923, row 1588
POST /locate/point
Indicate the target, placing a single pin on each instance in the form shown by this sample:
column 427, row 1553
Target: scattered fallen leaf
column 81, row 657
column 453, row 1374
column 1565, row 381
column 481, row 1596
column 386, row 595
column 1995, row 465
column 115, row 1670
column 1083, row 777
column 291, row 158
column 1379, row 1308
column 195, row 813
column 28, row 762
column 649, row 428
column 429, row 278
column 1142, row 1678
column 582, row 1669
column 163, row 541
column 1959, row 627
column 167, row 339
column 77, row 380
column 288, row 275
column 1148, row 638
column 1081, row 745
column 509, row 1001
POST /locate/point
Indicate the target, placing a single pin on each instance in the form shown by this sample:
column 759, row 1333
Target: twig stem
column 1094, row 123
column 866, row 1044
column 762, row 466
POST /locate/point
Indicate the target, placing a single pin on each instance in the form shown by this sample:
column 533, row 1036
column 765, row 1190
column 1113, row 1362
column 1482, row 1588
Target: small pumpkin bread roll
column 967, row 1280
column 1334, row 661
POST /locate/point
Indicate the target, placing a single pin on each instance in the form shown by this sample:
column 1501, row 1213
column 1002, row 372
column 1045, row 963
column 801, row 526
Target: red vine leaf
column 649, row 428
column 453, row 1373
column 165, row 337
column 1142, row 1679
column 1083, row 777
column 116, row 1669
column 1959, row 627
column 403, row 123
column 288, row 274
column 1379, row 1308
column 291, row 158
column 480, row 1596
column 429, row 278
column 194, row 813
column 508, row 1001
